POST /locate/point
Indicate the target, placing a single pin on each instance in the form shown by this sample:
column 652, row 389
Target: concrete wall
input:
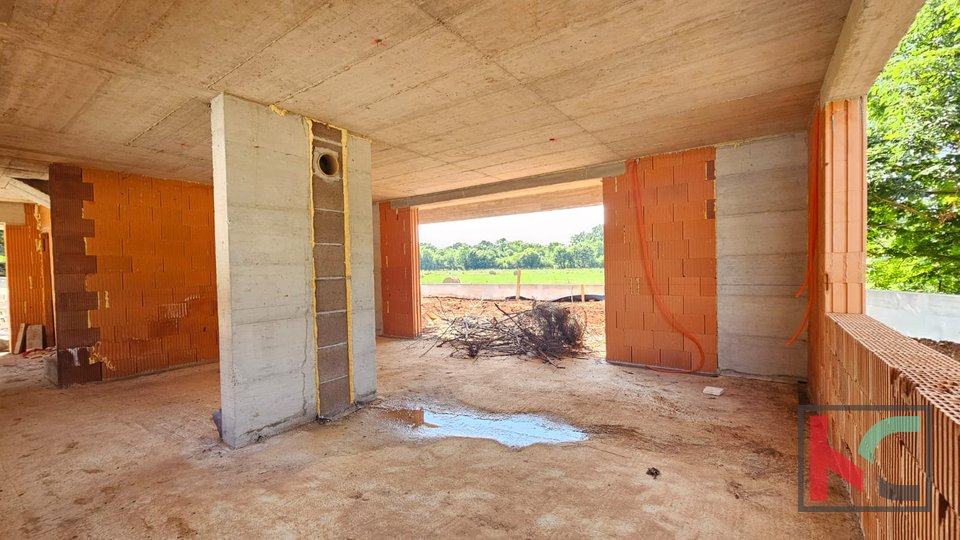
column 761, row 255
column 922, row 315
column 361, row 273
column 499, row 291
column 262, row 194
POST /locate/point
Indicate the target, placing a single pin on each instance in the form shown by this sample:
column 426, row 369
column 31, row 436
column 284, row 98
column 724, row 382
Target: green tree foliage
column 913, row 239
column 585, row 250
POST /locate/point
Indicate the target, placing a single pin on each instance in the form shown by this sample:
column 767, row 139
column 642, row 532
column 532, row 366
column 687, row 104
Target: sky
column 539, row 227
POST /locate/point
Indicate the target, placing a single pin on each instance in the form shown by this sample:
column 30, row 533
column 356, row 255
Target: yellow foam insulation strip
column 346, row 256
column 308, row 125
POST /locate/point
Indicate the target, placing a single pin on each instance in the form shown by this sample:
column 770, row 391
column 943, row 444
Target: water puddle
column 513, row 430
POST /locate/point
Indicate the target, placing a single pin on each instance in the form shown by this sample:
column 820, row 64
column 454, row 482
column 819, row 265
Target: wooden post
column 583, row 293
column 517, row 297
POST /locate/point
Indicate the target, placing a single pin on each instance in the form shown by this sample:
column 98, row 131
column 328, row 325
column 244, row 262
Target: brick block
column 328, row 227
column 691, row 211
column 708, row 286
column 662, row 232
column 699, row 229
column 673, row 194
column 667, row 340
column 683, row 286
column 676, row 358
column 331, row 329
column 703, row 248
column 701, row 191
column 705, row 268
column 693, row 323
column 658, row 177
column 700, row 305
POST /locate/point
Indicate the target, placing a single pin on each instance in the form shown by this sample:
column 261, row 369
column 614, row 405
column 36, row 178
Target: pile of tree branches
column 546, row 331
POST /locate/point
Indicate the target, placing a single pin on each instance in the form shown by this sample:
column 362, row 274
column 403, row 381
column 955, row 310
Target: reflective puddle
column 513, row 430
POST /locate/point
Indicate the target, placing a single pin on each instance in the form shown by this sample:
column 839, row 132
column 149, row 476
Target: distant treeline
column 585, row 250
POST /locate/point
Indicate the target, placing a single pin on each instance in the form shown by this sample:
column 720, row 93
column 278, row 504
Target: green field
column 546, row 276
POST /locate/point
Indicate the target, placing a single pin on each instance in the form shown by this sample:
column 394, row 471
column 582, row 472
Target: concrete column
column 362, row 308
column 262, row 219
column 292, row 202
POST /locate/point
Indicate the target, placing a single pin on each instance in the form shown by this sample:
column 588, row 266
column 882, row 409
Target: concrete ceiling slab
column 452, row 93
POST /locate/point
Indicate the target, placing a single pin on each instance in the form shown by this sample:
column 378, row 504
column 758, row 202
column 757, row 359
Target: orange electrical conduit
column 813, row 215
column 632, row 167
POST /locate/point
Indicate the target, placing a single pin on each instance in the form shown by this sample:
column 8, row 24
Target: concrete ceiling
column 452, row 93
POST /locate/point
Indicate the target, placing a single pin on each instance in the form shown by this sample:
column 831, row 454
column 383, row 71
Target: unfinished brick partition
column 28, row 275
column 678, row 193
column 134, row 274
column 400, row 271
column 856, row 360
column 864, row 362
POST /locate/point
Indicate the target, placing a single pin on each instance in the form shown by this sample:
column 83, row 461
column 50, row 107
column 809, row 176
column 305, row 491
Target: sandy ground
column 140, row 458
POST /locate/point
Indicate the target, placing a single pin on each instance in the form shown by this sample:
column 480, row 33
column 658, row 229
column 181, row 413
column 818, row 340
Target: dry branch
column 546, row 331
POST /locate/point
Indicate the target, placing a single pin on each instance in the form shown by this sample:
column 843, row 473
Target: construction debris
column 545, row 331
column 654, row 472
column 713, row 391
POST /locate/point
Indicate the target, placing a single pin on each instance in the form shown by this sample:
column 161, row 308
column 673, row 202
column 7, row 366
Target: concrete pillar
column 361, row 274
column 296, row 335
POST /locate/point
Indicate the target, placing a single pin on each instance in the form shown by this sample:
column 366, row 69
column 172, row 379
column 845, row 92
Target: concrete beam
column 558, row 197
column 613, row 168
column 11, row 213
column 17, row 191
column 871, row 32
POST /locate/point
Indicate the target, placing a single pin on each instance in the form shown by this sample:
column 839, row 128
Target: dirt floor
column 141, row 458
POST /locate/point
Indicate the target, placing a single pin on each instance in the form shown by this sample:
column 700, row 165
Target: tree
column 914, row 158
column 584, row 251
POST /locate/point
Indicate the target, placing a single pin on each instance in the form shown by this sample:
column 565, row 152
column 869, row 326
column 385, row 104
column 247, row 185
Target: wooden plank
column 21, row 334
column 34, row 336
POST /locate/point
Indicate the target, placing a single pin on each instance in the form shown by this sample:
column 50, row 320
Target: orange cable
column 813, row 215
column 657, row 298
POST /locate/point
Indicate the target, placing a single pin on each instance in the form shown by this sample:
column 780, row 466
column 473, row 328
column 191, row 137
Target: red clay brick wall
column 400, row 271
column 27, row 277
column 866, row 363
column 155, row 278
column 678, row 193
column 838, row 166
